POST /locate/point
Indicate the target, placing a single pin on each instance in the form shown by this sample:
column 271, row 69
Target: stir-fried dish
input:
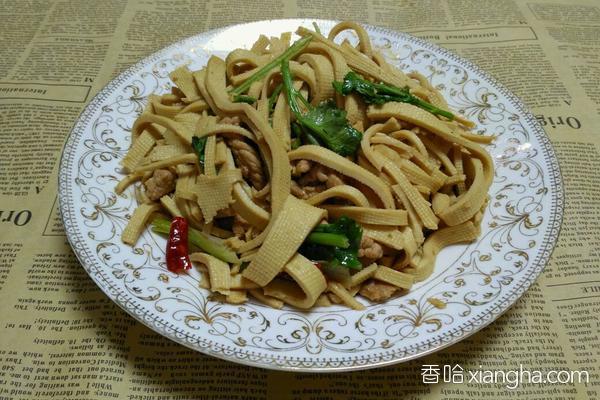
column 305, row 173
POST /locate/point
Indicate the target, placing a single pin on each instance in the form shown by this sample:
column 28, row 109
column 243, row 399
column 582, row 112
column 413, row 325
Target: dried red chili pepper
column 177, row 246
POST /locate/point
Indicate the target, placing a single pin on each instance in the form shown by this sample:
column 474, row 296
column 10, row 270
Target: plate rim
column 266, row 361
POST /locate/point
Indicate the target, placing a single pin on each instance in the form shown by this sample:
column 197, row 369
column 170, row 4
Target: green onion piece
column 316, row 27
column 329, row 239
column 242, row 98
column 273, row 96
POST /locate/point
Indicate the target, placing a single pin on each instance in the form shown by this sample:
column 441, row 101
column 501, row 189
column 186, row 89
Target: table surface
column 63, row 338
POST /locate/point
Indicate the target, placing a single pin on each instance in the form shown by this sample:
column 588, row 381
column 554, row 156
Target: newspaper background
column 62, row 337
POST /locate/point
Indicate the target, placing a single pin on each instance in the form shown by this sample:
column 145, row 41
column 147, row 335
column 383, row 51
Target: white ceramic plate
column 478, row 282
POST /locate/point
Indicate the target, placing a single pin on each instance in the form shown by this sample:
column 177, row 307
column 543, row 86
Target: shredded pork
column 370, row 249
column 301, row 167
column 248, row 161
column 240, row 226
column 377, row 291
column 161, row 183
column 235, row 120
column 312, row 178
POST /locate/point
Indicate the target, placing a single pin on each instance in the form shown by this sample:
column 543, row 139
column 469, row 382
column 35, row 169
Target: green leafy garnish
column 199, row 144
column 334, row 244
column 244, row 265
column 316, row 27
column 242, row 98
column 329, row 239
column 290, row 52
column 296, row 143
column 204, row 242
column 273, row 97
column 325, row 124
column 337, row 272
column 379, row 93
